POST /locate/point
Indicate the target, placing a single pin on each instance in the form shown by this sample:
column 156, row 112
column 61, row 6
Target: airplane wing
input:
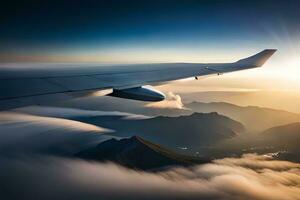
column 30, row 85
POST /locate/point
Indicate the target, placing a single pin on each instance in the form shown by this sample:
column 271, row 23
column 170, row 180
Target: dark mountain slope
column 138, row 153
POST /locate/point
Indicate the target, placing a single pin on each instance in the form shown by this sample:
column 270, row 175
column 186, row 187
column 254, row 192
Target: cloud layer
column 230, row 178
column 27, row 173
column 24, row 133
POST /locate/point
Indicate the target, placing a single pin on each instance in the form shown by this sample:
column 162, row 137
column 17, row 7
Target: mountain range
column 255, row 119
column 198, row 129
column 206, row 134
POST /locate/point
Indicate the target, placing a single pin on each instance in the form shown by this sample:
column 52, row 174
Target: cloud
column 60, row 178
column 73, row 112
column 256, row 162
column 11, row 118
column 23, row 133
column 172, row 101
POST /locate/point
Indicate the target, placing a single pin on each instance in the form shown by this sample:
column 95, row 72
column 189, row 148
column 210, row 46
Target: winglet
column 257, row 60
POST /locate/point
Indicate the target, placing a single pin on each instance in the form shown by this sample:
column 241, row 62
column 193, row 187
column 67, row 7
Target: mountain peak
column 135, row 152
column 135, row 137
column 198, row 114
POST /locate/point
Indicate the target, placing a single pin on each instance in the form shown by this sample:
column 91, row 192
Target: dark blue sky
column 75, row 26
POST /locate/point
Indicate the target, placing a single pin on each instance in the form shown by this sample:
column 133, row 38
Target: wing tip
column 258, row 59
column 270, row 51
column 264, row 56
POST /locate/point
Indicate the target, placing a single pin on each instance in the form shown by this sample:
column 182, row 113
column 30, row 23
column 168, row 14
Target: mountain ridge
column 138, row 153
column 173, row 132
column 255, row 118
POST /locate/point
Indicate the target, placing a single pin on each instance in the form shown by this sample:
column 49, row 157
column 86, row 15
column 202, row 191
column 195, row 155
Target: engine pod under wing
column 139, row 93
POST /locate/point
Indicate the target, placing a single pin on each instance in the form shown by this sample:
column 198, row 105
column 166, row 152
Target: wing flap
column 15, row 88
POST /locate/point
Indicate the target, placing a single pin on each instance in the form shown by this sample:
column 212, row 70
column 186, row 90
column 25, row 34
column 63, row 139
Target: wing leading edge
column 20, row 86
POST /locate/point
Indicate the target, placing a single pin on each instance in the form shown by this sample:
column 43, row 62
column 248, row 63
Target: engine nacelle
column 139, row 93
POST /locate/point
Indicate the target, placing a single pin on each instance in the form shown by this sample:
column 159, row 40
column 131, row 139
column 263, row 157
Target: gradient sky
column 152, row 31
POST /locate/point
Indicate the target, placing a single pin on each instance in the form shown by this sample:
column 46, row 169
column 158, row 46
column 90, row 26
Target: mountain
column 136, row 153
column 198, row 129
column 254, row 118
column 288, row 100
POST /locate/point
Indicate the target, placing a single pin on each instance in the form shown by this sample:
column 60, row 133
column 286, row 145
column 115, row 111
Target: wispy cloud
column 10, row 118
column 172, row 101
column 61, row 112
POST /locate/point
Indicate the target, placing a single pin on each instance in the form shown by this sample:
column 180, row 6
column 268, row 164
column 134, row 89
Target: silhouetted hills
column 286, row 136
column 137, row 153
column 254, row 118
column 285, row 139
column 194, row 130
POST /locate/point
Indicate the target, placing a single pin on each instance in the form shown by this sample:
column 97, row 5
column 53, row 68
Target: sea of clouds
column 250, row 177
column 36, row 163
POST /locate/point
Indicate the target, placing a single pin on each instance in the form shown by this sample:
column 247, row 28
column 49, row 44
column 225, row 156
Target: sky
column 138, row 31
column 157, row 31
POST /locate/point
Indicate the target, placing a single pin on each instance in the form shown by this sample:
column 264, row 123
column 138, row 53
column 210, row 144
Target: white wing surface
column 28, row 85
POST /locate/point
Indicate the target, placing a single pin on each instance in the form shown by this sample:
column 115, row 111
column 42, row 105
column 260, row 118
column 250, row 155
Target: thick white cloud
column 59, row 178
